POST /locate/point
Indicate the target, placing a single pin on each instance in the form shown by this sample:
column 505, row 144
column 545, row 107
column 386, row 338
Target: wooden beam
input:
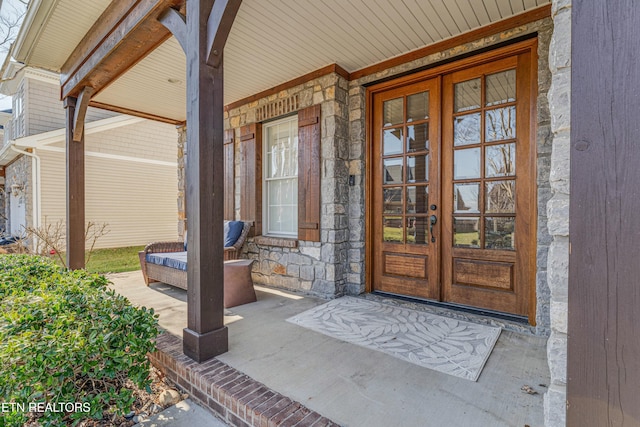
column 81, row 112
column 105, row 55
column 75, row 179
column 219, row 25
column 176, row 22
column 136, row 113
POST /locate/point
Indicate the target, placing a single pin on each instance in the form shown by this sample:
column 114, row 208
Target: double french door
column 452, row 194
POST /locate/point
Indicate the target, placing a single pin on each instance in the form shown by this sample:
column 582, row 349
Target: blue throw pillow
column 232, row 231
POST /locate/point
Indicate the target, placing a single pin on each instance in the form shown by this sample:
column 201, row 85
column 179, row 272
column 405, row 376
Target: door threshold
column 507, row 321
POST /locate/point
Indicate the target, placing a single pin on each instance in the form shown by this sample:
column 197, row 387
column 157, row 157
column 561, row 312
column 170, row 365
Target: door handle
column 432, row 221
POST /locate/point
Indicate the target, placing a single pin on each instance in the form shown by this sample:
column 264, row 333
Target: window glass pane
column 500, row 160
column 466, row 163
column 418, row 168
column 418, row 230
column 500, row 124
column 467, row 95
column 392, row 229
column 418, row 137
column 501, row 88
column 281, row 177
column 466, row 197
column 499, row 232
column 466, row 232
column 417, row 199
column 282, row 151
column 418, row 106
column 392, row 200
column 283, row 206
column 392, row 141
column 393, row 112
column 500, row 197
column 392, row 170
column 466, row 129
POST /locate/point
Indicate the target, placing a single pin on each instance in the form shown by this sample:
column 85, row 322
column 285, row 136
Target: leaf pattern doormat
column 451, row 346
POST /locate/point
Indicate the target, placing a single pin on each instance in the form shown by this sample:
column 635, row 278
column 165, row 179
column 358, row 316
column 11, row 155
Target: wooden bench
column 237, row 273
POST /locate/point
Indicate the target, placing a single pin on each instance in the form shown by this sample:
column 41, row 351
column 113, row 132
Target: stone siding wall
column 311, row 267
column 182, row 185
column 555, row 400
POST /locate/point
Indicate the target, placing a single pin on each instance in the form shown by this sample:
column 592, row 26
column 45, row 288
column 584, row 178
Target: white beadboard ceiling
column 271, row 42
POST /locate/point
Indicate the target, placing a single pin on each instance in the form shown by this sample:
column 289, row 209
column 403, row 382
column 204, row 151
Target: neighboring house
column 130, row 164
column 414, row 148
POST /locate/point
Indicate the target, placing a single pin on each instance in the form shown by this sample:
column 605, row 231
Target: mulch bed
column 145, row 405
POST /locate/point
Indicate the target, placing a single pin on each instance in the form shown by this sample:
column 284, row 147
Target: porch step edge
column 235, row 397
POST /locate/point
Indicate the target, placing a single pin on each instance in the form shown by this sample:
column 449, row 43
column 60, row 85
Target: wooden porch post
column 75, row 187
column 206, row 335
column 603, row 367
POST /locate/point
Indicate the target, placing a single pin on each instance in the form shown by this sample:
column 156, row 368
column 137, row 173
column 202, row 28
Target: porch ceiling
column 271, row 42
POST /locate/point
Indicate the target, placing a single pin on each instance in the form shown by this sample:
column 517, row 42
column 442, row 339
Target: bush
column 65, row 337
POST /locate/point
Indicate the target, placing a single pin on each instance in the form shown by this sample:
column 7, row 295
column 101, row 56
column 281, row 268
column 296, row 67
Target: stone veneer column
column 182, row 201
column 558, row 212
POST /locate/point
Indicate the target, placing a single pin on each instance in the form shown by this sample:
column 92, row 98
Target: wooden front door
column 453, row 217
column 406, row 180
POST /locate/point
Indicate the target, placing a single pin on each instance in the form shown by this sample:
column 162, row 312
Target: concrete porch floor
column 354, row 386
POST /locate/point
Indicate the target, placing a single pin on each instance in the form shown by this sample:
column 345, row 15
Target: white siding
column 136, row 196
column 45, row 111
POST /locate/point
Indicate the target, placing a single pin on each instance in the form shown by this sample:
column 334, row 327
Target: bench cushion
column 177, row 260
column 232, row 231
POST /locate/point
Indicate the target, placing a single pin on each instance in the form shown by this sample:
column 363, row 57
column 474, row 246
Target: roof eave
column 35, row 19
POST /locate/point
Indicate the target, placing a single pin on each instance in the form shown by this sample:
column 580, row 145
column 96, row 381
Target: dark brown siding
column 604, row 267
column 309, row 174
column 229, row 175
column 251, row 175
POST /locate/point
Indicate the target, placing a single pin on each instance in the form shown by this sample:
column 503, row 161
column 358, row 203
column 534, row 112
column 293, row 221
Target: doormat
column 450, row 346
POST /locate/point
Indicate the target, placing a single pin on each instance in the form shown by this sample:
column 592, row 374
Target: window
column 280, row 195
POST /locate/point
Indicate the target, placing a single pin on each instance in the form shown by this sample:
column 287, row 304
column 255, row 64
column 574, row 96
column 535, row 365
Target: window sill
column 282, row 242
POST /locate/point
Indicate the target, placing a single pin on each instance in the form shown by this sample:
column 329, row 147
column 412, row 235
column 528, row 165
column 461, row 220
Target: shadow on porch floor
column 354, row 386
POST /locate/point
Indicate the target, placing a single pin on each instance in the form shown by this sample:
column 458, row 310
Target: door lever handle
column 432, row 221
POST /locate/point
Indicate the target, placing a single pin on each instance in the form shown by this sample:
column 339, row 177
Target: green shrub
column 65, row 337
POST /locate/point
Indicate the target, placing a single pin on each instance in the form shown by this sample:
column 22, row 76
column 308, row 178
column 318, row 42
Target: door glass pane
column 392, row 141
column 500, row 160
column 392, row 200
column 418, row 230
column 499, row 232
column 466, row 129
column 467, row 95
column 466, row 232
column 466, row 163
column 418, row 106
column 501, row 88
column 392, row 170
column 393, row 112
column 418, row 137
column 500, row 124
column 392, row 229
column 465, row 198
column 500, row 197
column 418, row 168
column 417, row 199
